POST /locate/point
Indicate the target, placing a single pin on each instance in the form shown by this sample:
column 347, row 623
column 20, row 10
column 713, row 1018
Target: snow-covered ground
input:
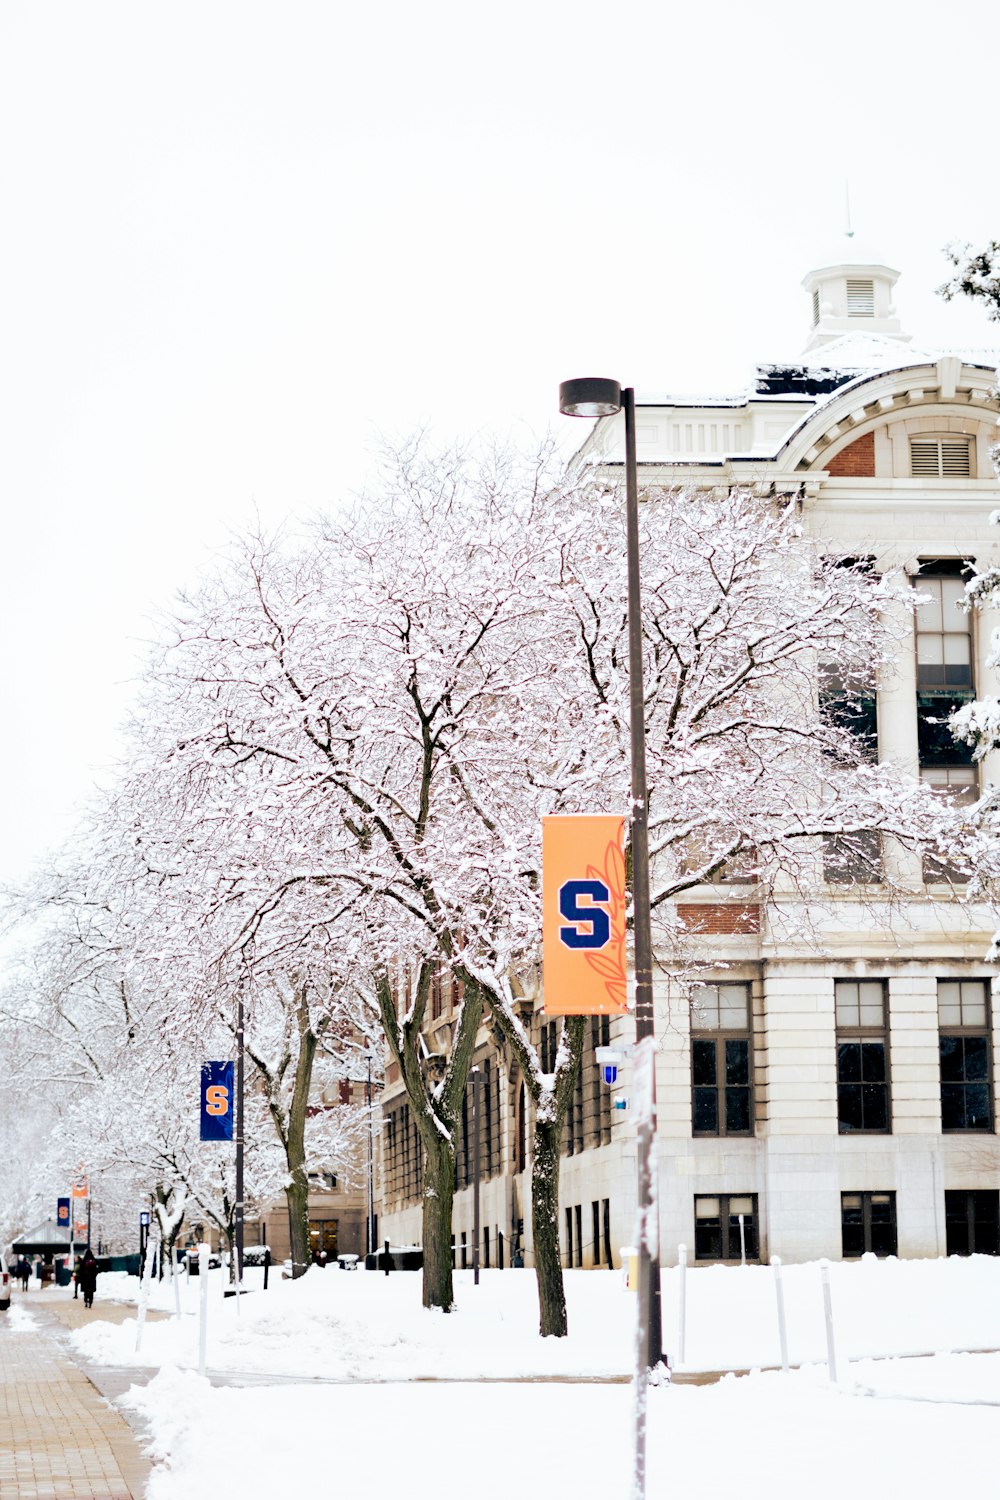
column 764, row 1437
column 359, row 1325
column 915, row 1426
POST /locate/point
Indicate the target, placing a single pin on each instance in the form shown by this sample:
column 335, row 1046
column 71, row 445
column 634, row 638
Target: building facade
column 837, row 1095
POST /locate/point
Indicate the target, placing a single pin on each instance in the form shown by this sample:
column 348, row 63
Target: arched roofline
column 868, row 401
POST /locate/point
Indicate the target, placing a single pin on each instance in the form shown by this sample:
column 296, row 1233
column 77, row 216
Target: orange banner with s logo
column 583, row 916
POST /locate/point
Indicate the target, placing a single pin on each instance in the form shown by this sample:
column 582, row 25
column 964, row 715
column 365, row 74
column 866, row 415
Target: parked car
column 5, row 1275
column 191, row 1256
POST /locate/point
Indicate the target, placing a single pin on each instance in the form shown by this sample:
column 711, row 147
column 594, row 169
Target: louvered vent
column 815, row 305
column 939, row 458
column 860, row 299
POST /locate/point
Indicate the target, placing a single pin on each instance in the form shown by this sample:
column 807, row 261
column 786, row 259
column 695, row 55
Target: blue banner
column 62, row 1212
column 217, row 1101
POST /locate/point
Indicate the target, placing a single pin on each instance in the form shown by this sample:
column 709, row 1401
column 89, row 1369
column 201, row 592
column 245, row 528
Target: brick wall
column 733, row 918
column 856, row 461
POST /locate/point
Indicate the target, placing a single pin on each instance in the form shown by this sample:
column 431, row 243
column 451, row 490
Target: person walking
column 76, row 1278
column 88, row 1277
column 24, row 1272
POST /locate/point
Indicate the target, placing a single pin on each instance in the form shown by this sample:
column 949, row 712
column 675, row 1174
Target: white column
column 897, row 732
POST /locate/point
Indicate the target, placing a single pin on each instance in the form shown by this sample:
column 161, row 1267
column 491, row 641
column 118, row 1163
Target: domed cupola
column 850, row 292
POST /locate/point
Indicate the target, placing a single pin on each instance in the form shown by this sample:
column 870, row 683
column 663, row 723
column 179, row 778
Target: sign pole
column 476, row 1077
column 239, row 1148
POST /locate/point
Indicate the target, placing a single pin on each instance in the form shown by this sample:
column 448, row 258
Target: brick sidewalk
column 59, row 1439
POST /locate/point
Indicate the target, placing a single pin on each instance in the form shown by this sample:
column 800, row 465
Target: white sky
column 241, row 239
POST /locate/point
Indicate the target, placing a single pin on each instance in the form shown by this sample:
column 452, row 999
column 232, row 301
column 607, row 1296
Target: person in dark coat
column 88, row 1277
column 24, row 1272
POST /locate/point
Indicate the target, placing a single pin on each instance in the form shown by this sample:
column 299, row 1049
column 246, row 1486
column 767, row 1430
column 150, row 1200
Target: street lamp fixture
column 594, row 396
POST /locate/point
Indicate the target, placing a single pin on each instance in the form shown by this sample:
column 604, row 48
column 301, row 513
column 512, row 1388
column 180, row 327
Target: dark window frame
column 717, row 1038
column 862, row 1037
column 870, row 1225
column 972, row 1202
column 979, row 1031
column 728, row 1229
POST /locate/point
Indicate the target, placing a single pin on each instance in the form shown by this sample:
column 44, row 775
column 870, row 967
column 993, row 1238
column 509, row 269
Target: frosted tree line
column 342, row 749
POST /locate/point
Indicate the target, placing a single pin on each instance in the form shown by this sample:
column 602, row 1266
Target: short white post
column 147, row 1276
column 831, row 1352
column 682, row 1262
column 743, row 1242
column 203, row 1331
column 779, row 1297
column 175, row 1277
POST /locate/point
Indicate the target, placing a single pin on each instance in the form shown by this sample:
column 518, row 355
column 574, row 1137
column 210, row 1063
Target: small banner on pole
column 583, row 916
column 62, row 1212
column 217, row 1101
column 80, row 1188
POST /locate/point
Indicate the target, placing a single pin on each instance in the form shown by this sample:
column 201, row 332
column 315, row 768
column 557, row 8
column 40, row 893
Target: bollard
column 203, row 1330
column 147, row 1276
column 682, row 1262
column 831, row 1352
column 387, row 1257
column 743, row 1242
column 779, row 1297
column 175, row 1276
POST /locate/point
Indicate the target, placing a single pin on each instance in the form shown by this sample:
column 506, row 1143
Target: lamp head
column 591, row 396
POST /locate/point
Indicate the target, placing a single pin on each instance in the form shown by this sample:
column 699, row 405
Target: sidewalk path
column 59, row 1439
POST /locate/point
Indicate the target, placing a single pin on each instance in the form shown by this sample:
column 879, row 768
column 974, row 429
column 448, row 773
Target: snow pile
column 782, row 1437
column 363, row 1326
column 20, row 1319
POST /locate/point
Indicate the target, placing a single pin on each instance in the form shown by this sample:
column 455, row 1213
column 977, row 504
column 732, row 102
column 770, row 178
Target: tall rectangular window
column 868, row 1224
column 718, row 1231
column 966, row 1063
column 972, row 1222
column 721, row 1073
column 862, row 1057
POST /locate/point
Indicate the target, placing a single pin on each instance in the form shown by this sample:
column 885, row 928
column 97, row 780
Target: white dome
column 848, row 250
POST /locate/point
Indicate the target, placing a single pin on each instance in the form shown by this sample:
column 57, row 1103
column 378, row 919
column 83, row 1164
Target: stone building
column 837, row 1096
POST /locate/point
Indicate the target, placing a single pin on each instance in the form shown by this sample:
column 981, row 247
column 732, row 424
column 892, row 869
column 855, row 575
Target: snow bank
column 361, row 1325
column 764, row 1437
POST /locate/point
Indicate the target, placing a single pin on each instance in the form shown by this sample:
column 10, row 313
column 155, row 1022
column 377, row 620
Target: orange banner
column 79, row 1188
column 583, row 916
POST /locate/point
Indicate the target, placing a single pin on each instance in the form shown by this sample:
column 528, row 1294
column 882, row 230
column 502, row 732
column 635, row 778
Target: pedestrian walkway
column 59, row 1439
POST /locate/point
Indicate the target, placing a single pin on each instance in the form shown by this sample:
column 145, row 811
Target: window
column 569, row 1238
column 959, row 784
column 848, row 703
column 944, row 631
column 868, row 1224
column 720, row 1060
column 815, row 305
column 862, row 1072
column 860, row 298
column 972, row 1222
column 940, row 458
column 717, row 1229
column 966, row 1084
column 578, row 1213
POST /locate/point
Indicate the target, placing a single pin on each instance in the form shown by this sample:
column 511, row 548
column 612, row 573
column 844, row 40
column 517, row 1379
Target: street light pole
column 371, row 1177
column 593, row 397
column 239, row 1144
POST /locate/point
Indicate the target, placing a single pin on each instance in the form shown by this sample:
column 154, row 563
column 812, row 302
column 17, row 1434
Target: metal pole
column 779, row 1296
column 476, row 1075
column 743, row 1240
column 831, row 1348
column 649, row 1269
column 239, row 1144
column 370, row 1246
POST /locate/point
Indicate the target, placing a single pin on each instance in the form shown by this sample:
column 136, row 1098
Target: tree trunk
column 439, row 1188
column 297, row 1191
column 297, row 1198
column 545, row 1229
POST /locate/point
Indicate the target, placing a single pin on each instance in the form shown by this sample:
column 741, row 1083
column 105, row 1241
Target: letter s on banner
column 217, row 1101
column 583, row 916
